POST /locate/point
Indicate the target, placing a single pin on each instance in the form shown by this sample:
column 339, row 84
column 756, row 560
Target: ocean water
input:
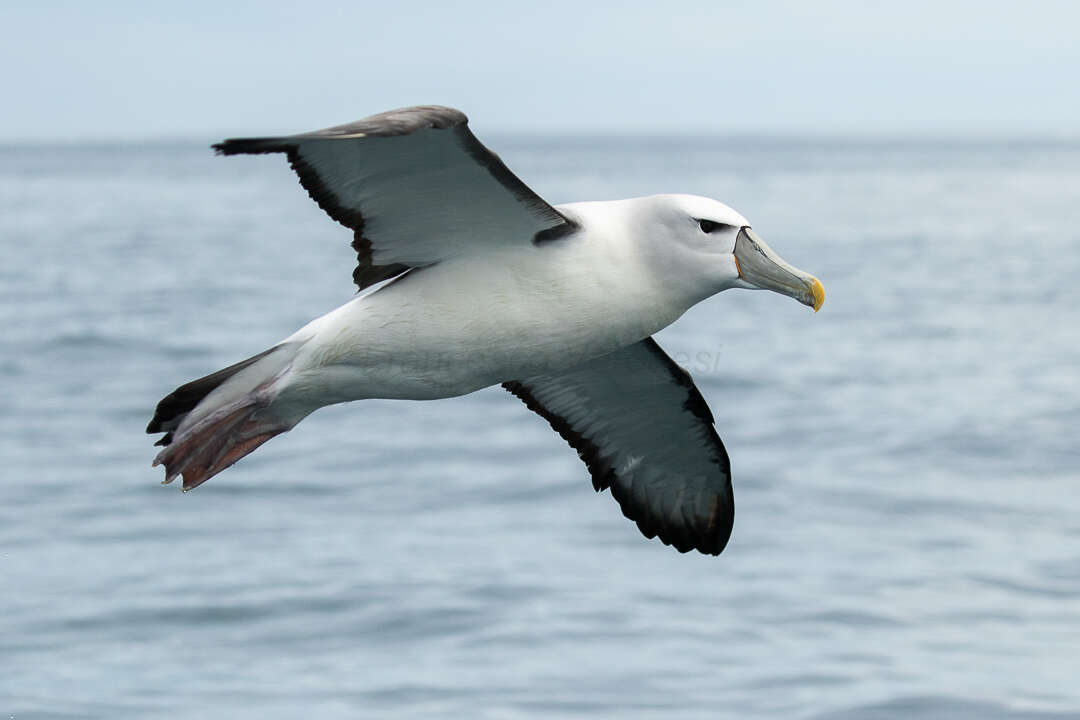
column 906, row 468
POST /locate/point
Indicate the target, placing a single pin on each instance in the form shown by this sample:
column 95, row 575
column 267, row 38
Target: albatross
column 471, row 279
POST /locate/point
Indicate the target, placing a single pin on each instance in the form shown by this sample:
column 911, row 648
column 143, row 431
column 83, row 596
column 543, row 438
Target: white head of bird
column 706, row 247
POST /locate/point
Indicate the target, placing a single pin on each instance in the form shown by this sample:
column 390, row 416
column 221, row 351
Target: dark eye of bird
column 708, row 226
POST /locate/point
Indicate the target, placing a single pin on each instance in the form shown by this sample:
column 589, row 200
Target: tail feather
column 212, row 422
column 218, row 440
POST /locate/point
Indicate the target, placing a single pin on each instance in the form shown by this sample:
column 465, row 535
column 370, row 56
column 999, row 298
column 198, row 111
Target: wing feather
column 644, row 431
column 415, row 186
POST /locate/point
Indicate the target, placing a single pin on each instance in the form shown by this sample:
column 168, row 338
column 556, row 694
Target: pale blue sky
column 198, row 69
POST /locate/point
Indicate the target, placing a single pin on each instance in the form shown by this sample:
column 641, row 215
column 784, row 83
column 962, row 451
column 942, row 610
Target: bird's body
column 472, row 322
column 556, row 303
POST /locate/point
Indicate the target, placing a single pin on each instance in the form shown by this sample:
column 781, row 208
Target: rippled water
column 907, row 537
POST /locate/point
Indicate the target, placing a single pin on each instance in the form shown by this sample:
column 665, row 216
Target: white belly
column 459, row 326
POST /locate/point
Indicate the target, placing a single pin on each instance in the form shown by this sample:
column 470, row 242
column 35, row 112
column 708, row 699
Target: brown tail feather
column 218, row 440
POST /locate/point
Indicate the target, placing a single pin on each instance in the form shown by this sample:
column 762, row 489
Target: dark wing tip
column 709, row 535
column 250, row 146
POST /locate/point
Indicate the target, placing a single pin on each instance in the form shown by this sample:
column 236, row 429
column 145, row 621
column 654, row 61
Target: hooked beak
column 761, row 268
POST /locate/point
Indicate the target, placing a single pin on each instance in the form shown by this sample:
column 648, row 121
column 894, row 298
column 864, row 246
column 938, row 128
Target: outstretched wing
column 643, row 430
column 414, row 185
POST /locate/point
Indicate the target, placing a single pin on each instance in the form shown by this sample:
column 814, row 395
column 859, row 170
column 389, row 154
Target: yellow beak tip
column 819, row 294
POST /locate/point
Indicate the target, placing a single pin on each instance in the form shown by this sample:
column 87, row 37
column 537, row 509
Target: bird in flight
column 479, row 282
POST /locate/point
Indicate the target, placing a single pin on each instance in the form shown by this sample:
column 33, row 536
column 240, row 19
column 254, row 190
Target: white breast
column 465, row 324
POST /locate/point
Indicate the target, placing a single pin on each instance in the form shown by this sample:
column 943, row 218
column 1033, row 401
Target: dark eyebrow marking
column 711, row 226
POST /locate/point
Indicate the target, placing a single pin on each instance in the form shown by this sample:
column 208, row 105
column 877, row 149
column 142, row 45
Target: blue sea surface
column 906, row 464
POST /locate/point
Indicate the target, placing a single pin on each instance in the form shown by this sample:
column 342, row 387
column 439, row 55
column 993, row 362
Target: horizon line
column 614, row 135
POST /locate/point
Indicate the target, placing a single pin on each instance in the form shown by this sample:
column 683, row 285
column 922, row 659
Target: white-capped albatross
column 492, row 285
